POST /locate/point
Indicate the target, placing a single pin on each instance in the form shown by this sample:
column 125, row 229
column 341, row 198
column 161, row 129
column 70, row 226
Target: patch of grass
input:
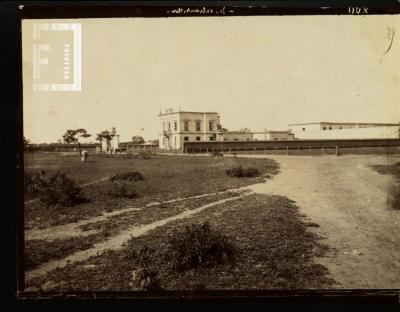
column 198, row 245
column 393, row 198
column 128, row 176
column 167, row 177
column 38, row 251
column 240, row 172
column 120, row 189
column 275, row 252
column 393, row 192
column 56, row 189
column 394, row 169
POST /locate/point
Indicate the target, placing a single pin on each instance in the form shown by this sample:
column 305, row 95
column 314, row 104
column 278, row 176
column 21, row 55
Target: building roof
column 187, row 112
column 345, row 123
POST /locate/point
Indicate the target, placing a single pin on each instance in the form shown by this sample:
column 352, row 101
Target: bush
column 128, row 176
column 198, row 245
column 57, row 189
column 120, row 189
column 33, row 183
column 240, row 172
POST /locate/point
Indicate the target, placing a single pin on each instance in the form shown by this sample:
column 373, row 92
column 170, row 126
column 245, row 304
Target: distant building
column 345, row 130
column 271, row 135
column 235, row 136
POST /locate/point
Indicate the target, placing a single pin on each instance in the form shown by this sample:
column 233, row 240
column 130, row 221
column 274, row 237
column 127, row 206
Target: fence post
column 287, row 150
column 337, row 150
column 254, row 151
column 230, row 150
column 207, row 150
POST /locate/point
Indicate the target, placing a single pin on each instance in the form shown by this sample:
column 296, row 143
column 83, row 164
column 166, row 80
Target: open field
column 274, row 250
column 165, row 178
column 340, row 232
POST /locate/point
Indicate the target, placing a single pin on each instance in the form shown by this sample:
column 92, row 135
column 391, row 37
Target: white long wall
column 391, row 132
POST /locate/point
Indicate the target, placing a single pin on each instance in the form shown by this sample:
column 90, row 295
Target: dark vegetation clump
column 198, row 245
column 120, row 189
column 33, row 182
column 56, row 189
column 128, row 176
column 393, row 197
column 240, row 172
column 217, row 154
column 145, row 154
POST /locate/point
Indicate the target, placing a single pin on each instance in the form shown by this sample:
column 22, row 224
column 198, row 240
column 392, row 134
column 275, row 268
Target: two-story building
column 183, row 126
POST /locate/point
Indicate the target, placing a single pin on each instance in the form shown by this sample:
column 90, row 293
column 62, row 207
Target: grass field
column 273, row 246
column 274, row 250
column 166, row 177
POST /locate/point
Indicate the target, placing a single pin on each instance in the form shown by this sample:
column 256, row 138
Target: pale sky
column 258, row 72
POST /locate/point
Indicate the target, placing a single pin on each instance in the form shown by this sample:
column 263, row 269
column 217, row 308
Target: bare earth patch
column 348, row 199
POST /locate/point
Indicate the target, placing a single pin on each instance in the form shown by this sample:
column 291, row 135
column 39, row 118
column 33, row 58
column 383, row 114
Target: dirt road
column 347, row 199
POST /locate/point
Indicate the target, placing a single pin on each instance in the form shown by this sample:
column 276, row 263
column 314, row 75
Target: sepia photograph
column 213, row 152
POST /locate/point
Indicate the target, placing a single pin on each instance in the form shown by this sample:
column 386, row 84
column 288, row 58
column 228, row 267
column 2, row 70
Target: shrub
column 57, row 189
column 128, row 176
column 33, row 183
column 198, row 245
column 240, row 172
column 120, row 189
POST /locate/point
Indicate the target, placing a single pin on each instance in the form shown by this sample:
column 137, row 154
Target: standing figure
column 84, row 156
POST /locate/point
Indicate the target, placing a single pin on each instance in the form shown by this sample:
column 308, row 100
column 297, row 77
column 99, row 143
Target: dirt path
column 347, row 199
column 116, row 242
column 73, row 229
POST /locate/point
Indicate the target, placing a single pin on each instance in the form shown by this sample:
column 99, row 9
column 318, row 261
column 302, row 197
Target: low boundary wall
column 254, row 146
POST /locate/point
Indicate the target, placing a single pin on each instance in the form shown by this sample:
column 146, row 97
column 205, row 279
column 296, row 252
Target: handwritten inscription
column 358, row 10
column 201, row 11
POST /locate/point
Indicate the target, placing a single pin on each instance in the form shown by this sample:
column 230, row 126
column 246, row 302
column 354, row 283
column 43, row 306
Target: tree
column 105, row 136
column 73, row 136
column 136, row 139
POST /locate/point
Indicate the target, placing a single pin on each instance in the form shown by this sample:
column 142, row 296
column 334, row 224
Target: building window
column 324, row 128
column 186, row 125
column 225, row 139
column 211, row 126
column 197, row 125
column 197, row 138
column 330, row 128
column 163, row 126
column 175, row 126
column 236, row 139
column 169, row 126
column 304, row 129
column 186, row 139
column 211, row 138
column 340, row 128
column 175, row 141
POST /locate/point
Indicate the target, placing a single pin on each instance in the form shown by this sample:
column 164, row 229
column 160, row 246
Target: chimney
column 114, row 130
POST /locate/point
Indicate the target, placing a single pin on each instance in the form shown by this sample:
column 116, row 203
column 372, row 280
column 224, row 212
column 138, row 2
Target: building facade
column 334, row 130
column 274, row 136
column 183, row 126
